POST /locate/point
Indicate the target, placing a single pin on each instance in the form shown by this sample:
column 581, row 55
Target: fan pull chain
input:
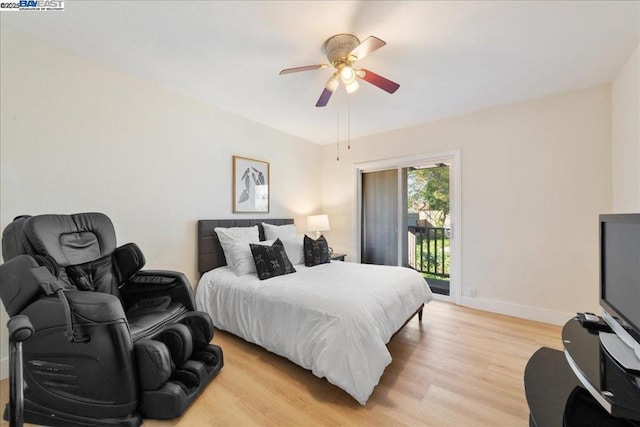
column 338, row 132
column 348, row 122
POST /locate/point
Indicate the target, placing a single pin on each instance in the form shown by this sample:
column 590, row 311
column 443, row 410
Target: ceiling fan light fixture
column 342, row 50
column 333, row 83
column 351, row 87
column 348, row 77
column 347, row 74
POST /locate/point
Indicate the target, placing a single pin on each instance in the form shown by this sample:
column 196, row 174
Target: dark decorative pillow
column 315, row 251
column 271, row 261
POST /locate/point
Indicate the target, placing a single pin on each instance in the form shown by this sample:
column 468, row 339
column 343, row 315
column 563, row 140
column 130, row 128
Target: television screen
column 620, row 269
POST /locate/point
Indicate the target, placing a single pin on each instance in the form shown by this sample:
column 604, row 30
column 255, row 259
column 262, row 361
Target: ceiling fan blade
column 305, row 68
column 377, row 80
column 324, row 98
column 371, row 44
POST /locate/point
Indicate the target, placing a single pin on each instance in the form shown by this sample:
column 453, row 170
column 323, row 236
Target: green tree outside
column 428, row 192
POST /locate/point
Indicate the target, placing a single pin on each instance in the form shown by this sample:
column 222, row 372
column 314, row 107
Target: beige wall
column 535, row 176
column 77, row 136
column 625, row 136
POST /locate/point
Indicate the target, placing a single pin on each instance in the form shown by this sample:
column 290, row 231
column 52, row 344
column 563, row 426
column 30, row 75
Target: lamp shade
column 318, row 223
column 347, row 75
column 333, row 83
column 351, row 87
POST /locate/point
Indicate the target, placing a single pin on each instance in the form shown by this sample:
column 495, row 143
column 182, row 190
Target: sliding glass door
column 406, row 216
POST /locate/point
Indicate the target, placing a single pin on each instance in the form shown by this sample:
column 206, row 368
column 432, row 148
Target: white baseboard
column 516, row 310
column 4, row 368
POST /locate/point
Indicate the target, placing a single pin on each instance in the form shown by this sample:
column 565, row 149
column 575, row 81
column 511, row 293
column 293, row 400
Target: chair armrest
column 155, row 283
column 20, row 328
column 88, row 308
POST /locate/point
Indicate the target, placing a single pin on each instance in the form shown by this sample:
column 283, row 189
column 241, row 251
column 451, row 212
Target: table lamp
column 318, row 223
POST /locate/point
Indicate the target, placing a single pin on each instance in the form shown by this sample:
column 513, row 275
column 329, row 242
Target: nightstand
column 337, row 257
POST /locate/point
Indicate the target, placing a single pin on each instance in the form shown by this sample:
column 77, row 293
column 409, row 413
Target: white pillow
column 294, row 247
column 243, row 262
column 272, row 232
column 243, row 257
column 231, row 236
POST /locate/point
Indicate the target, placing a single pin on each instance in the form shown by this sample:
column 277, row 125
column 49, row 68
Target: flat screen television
column 620, row 287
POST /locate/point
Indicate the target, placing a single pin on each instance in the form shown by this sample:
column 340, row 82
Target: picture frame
column 250, row 186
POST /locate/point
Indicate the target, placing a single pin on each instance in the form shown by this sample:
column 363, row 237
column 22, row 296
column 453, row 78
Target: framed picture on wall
column 250, row 185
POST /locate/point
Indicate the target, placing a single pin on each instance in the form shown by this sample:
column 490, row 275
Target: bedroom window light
column 318, row 223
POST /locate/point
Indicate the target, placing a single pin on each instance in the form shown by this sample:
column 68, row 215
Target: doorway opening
column 428, row 224
column 408, row 211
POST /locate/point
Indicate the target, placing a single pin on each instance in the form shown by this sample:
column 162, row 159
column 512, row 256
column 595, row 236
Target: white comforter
column 333, row 319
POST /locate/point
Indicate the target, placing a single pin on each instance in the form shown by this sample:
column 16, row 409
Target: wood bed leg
column 420, row 313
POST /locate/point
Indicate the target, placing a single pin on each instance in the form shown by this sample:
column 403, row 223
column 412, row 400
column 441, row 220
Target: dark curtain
column 380, row 217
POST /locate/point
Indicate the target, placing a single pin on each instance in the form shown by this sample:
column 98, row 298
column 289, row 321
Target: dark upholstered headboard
column 210, row 254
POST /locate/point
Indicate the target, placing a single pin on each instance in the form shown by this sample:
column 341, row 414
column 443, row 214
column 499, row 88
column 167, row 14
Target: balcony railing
column 429, row 250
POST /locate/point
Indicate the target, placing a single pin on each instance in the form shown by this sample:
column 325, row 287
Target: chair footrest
column 212, row 358
column 184, row 386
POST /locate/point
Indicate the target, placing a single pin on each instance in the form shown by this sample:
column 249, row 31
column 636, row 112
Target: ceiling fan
column 342, row 51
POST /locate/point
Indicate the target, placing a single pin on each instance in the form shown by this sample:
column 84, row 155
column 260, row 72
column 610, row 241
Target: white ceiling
column 449, row 57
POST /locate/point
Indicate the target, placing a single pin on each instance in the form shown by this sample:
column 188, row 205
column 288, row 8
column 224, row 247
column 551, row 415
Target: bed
column 333, row 319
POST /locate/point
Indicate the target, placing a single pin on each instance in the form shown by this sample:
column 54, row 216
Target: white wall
column 535, row 176
column 77, row 136
column 625, row 136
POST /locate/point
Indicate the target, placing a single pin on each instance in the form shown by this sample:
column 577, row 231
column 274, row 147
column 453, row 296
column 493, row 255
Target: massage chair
column 111, row 343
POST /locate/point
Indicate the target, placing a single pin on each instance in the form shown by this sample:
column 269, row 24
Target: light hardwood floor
column 459, row 367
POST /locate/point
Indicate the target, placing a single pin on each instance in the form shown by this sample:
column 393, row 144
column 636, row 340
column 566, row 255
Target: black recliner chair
column 111, row 343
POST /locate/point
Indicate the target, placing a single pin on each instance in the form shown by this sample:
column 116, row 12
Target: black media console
column 557, row 397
